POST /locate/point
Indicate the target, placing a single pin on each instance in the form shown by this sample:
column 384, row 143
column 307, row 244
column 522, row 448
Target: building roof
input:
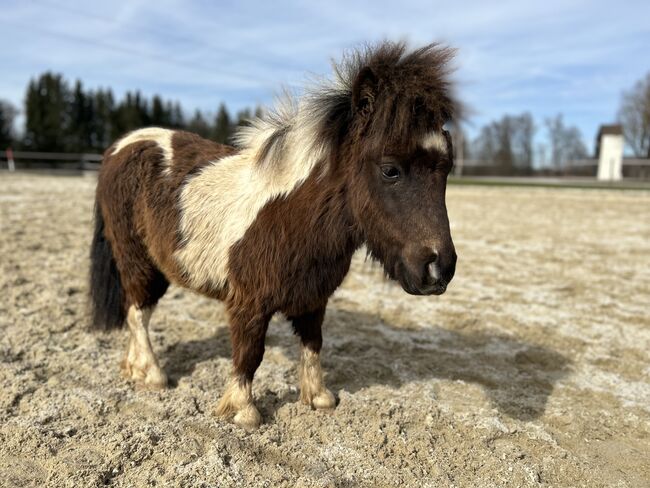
column 614, row 129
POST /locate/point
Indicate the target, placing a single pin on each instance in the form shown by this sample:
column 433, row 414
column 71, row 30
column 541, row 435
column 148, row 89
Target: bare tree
column 634, row 115
column 565, row 142
column 507, row 144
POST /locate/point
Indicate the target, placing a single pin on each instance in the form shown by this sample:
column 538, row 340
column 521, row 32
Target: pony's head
column 380, row 127
column 398, row 156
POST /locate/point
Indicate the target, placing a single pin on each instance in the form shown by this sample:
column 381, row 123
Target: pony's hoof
column 150, row 378
column 248, row 418
column 325, row 399
column 322, row 400
column 153, row 382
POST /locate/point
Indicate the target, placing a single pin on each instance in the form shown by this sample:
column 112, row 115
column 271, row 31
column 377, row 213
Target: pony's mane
column 413, row 96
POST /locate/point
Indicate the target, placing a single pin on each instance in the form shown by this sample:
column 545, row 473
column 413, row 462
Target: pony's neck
column 336, row 224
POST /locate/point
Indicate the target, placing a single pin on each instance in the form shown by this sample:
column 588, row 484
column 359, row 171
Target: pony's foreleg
column 140, row 363
column 312, row 387
column 247, row 332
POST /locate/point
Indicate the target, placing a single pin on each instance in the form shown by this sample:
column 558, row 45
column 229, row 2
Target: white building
column 609, row 149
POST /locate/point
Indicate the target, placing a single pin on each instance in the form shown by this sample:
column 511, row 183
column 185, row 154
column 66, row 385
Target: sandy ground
column 532, row 370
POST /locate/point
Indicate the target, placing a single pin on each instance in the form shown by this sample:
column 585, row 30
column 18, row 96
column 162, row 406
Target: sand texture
column 532, row 370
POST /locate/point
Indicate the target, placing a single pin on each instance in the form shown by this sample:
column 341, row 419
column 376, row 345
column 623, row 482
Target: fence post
column 10, row 160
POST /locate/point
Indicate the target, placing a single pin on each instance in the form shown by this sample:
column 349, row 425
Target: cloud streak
column 555, row 56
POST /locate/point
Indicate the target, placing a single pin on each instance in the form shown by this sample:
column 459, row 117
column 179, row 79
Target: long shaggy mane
column 412, row 96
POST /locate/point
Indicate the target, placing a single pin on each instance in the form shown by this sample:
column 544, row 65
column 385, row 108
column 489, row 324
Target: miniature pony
column 271, row 224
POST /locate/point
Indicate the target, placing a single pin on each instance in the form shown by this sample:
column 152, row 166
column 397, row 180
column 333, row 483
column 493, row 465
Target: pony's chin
column 434, row 289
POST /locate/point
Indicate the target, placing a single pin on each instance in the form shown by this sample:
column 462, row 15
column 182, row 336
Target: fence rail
column 633, row 168
column 48, row 160
column 31, row 155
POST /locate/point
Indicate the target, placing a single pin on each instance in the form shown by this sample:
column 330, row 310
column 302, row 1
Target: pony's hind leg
column 144, row 285
column 140, row 363
column 247, row 331
column 312, row 387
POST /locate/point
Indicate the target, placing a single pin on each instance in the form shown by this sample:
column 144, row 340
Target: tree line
column 60, row 117
column 508, row 145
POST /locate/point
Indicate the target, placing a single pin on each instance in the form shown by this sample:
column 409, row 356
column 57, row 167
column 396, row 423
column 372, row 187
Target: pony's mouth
column 437, row 288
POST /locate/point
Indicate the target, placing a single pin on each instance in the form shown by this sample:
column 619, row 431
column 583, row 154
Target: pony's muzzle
column 430, row 274
column 438, row 273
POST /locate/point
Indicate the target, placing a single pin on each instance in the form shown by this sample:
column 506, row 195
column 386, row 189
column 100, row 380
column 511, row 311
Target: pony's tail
column 106, row 292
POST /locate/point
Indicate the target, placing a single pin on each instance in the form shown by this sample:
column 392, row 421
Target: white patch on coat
column 162, row 137
column 434, row 140
column 220, row 202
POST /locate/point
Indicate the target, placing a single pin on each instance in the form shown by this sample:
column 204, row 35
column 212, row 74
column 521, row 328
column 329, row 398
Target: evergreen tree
column 160, row 116
column 81, row 116
column 78, row 120
column 243, row 117
column 177, row 120
column 7, row 116
column 47, row 113
column 130, row 114
column 222, row 126
column 102, row 123
column 142, row 117
column 199, row 125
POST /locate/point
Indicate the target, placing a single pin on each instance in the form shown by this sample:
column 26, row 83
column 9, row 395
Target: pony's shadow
column 362, row 350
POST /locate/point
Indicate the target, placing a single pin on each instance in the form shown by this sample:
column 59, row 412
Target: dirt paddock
column 532, row 370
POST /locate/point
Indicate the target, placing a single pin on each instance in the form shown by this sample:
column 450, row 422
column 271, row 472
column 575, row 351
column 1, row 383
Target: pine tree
column 130, row 114
column 102, row 123
column 47, row 106
column 199, row 125
column 81, row 116
column 177, row 120
column 243, row 117
column 78, row 120
column 222, row 126
column 159, row 115
column 7, row 116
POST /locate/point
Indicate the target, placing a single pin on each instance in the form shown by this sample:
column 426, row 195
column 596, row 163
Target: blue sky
column 574, row 57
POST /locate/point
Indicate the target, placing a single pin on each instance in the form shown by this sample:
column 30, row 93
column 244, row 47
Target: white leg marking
column 237, row 400
column 140, row 363
column 162, row 137
column 312, row 388
column 434, row 140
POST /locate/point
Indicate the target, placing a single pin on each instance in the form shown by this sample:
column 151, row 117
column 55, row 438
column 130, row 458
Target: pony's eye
column 389, row 172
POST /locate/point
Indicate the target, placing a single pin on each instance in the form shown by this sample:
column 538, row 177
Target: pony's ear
column 364, row 91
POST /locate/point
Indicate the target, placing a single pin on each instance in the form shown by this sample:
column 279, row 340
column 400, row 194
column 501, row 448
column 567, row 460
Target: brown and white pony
column 271, row 226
